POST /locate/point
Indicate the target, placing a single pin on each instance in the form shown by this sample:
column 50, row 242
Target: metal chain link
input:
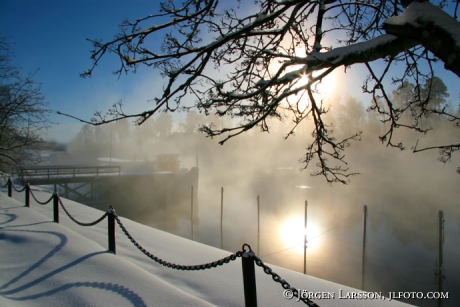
column 214, row 264
column 39, row 202
column 81, row 223
column 14, row 187
column 283, row 282
column 205, row 266
column 4, row 185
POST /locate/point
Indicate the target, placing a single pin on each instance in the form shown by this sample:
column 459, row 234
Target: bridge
column 79, row 180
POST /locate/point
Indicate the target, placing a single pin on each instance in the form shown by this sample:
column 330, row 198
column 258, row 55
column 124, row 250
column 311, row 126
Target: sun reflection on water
column 292, row 233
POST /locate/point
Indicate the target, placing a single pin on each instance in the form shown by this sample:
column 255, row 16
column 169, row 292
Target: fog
column 403, row 192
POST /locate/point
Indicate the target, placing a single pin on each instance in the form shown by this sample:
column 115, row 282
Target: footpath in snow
column 43, row 263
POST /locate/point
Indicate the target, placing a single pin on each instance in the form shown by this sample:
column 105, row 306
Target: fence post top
column 248, row 254
column 247, row 251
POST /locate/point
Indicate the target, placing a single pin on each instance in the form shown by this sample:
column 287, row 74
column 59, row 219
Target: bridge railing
column 49, row 172
column 247, row 255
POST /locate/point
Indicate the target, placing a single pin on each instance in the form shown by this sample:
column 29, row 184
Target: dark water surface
column 402, row 233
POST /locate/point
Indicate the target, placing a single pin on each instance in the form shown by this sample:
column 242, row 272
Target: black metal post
column 27, row 195
column 249, row 279
column 10, row 188
column 56, row 206
column 111, row 229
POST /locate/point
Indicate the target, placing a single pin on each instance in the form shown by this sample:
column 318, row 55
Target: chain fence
column 41, row 202
column 205, row 266
column 284, row 283
column 79, row 222
column 14, row 187
column 4, row 185
column 246, row 252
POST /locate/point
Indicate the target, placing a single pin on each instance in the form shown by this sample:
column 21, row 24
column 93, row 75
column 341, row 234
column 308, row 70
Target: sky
column 51, row 264
column 50, row 36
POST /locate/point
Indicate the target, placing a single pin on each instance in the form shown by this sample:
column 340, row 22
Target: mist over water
column 403, row 191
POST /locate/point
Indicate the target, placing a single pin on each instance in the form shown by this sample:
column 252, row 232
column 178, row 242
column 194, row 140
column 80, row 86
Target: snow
column 49, row 264
column 261, row 16
column 418, row 13
column 338, row 54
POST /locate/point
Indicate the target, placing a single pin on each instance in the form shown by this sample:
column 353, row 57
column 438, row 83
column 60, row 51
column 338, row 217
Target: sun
column 292, row 233
column 323, row 89
column 326, row 87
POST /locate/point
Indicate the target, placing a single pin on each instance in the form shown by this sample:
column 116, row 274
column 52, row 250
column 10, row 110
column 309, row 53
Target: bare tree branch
column 23, row 115
column 276, row 54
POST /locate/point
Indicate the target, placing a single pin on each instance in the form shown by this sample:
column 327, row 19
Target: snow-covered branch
column 251, row 63
column 431, row 27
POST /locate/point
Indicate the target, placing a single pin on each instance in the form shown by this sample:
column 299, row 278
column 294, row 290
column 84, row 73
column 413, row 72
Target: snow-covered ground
column 43, row 263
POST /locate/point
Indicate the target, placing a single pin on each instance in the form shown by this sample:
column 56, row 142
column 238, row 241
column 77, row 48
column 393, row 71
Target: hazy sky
column 50, row 35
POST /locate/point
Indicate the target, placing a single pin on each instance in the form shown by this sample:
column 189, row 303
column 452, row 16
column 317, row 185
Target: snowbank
column 48, row 264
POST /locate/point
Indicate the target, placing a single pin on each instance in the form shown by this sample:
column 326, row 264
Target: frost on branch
column 263, row 62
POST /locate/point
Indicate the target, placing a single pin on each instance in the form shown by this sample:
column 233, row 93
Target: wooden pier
column 79, row 180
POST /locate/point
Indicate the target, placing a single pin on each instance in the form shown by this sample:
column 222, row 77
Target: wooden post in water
column 191, row 212
column 221, row 216
column 258, row 225
column 164, row 202
column 439, row 273
column 363, row 265
column 305, row 240
column 110, row 159
column 196, row 151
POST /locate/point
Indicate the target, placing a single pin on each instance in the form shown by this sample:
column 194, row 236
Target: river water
column 402, row 233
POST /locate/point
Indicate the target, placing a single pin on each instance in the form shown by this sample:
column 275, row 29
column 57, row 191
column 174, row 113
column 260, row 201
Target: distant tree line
column 160, row 134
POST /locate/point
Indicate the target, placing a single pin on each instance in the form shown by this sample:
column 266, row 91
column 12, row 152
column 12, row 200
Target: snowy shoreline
column 65, row 264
